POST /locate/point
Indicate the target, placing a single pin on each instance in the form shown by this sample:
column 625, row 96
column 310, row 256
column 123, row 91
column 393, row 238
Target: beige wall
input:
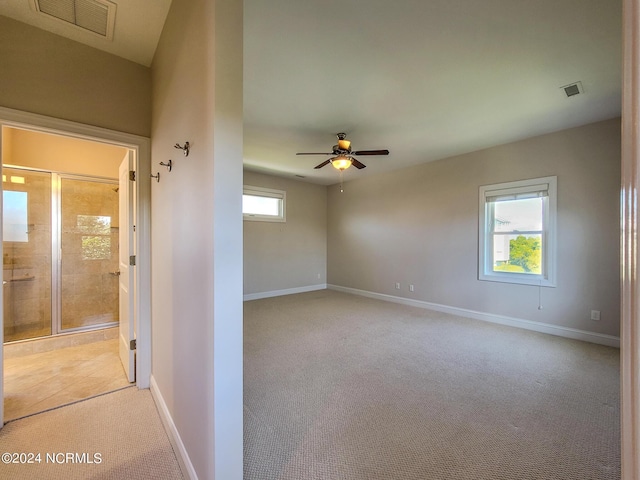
column 420, row 226
column 50, row 75
column 197, row 232
column 27, row 148
column 280, row 256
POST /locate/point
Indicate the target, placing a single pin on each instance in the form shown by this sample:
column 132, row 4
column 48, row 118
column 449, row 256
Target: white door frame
column 142, row 147
column 126, row 272
column 630, row 243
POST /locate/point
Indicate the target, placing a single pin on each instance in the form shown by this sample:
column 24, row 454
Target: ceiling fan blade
column 357, row 164
column 322, row 164
column 371, row 152
column 313, row 153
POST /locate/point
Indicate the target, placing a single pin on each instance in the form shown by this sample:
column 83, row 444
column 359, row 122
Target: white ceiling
column 426, row 79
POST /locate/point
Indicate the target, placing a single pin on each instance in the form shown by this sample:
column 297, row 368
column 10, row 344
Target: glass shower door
column 26, row 262
column 89, row 253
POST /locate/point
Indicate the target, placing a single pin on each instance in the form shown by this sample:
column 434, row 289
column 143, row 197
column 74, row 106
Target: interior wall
column 420, row 226
column 31, row 149
column 197, row 232
column 293, row 254
column 50, row 75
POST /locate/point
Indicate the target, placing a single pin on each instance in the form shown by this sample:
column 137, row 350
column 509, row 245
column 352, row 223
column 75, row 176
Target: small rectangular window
column 96, row 245
column 263, row 204
column 14, row 220
column 517, row 232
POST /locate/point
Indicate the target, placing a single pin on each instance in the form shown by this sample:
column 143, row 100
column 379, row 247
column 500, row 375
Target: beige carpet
column 345, row 387
column 120, row 432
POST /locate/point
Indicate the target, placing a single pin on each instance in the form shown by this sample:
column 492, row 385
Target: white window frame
column 270, row 193
column 549, row 226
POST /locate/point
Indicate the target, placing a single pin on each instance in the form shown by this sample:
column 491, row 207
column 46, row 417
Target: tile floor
column 40, row 381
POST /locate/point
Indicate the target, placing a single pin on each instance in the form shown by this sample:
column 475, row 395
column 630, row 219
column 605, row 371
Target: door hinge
column 132, row 175
column 132, row 260
column 133, row 344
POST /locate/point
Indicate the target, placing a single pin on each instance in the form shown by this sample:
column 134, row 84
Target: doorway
column 61, row 244
column 139, row 149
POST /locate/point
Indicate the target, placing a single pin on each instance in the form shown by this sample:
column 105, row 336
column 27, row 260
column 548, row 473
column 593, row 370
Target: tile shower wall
column 27, row 254
column 89, row 244
column 87, row 212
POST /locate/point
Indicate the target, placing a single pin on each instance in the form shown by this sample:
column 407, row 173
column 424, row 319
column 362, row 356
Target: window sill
column 534, row 280
column 256, row 218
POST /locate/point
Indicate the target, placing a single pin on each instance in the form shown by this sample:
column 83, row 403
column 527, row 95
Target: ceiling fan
column 343, row 155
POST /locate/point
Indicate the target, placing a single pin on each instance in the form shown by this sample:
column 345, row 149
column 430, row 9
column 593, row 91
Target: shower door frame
column 140, row 147
column 57, row 258
column 56, row 247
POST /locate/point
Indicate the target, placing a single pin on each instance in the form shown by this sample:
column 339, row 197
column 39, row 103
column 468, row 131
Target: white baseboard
column 287, row 291
column 599, row 338
column 174, row 437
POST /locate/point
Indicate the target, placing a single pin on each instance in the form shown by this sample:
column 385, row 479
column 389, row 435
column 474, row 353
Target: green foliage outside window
column 525, row 256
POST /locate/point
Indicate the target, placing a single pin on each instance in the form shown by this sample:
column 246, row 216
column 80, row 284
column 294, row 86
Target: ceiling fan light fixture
column 341, row 162
column 344, row 144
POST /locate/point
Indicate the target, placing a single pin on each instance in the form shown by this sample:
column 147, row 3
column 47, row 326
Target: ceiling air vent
column 573, row 89
column 96, row 16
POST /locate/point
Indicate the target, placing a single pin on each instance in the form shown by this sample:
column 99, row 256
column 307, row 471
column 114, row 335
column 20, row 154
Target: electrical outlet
column 595, row 315
column 318, row 276
column 397, row 285
column 411, row 288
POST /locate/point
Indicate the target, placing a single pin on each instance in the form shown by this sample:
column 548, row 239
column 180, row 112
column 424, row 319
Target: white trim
column 172, row 432
column 287, row 291
column 566, row 332
column 142, row 148
column 630, row 243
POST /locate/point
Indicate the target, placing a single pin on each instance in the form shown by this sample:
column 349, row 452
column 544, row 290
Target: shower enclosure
column 60, row 260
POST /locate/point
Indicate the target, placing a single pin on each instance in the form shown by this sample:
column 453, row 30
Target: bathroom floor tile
column 41, row 381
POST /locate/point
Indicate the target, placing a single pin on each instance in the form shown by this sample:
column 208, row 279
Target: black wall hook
column 156, row 176
column 168, row 165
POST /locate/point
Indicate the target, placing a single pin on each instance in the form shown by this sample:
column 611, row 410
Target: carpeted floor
column 345, row 387
column 116, row 436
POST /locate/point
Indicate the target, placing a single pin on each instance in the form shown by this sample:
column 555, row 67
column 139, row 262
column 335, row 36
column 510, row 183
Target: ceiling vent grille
column 96, row 16
column 573, row 89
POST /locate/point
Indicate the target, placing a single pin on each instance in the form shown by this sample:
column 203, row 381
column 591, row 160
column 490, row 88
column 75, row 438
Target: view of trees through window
column 98, row 245
column 525, row 256
column 517, row 236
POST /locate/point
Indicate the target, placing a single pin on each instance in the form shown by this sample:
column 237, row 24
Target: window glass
column 517, row 236
column 263, row 204
column 98, row 245
column 256, row 205
column 518, row 215
column 14, row 221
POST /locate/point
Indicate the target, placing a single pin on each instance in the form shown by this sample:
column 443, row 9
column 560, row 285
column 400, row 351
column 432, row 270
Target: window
column 14, row 219
column 518, row 232
column 96, row 245
column 263, row 204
